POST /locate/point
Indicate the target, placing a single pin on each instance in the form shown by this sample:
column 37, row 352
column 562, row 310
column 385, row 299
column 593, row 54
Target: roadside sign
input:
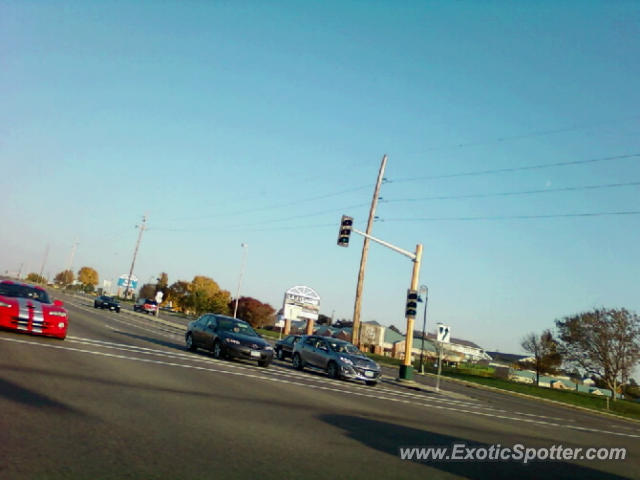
column 444, row 333
column 159, row 296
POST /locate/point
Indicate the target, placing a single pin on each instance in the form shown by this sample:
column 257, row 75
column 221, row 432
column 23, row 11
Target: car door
column 210, row 331
column 315, row 353
column 307, row 350
column 198, row 333
column 322, row 354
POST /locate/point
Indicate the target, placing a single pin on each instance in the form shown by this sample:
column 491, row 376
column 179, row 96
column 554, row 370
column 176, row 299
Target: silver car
column 340, row 359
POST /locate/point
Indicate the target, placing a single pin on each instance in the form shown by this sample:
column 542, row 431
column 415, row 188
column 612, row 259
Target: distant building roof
column 457, row 341
column 506, row 357
column 373, row 322
column 391, row 336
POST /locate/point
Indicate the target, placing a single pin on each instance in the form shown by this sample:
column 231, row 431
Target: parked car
column 103, row 301
column 339, row 358
column 145, row 305
column 228, row 337
column 284, row 347
column 27, row 308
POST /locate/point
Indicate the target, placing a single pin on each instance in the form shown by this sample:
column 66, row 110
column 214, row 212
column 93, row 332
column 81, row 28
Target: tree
column 65, row 277
column 323, row 320
column 544, row 349
column 36, row 278
column 255, row 312
column 87, row 276
column 162, row 286
column 178, row 293
column 148, row 290
column 206, row 296
column 602, row 342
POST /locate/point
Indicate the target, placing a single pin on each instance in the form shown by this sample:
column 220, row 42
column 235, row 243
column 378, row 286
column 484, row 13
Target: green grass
column 275, row 335
column 621, row 407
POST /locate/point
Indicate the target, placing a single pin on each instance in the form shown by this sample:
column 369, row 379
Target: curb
column 531, row 397
column 413, row 385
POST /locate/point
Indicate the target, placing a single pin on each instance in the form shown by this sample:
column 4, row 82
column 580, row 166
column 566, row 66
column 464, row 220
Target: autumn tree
column 602, row 342
column 544, row 349
column 178, row 294
column 65, row 277
column 253, row 311
column 88, row 276
column 36, row 278
column 205, row 295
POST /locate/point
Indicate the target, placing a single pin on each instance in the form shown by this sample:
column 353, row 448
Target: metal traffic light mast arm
column 411, row 255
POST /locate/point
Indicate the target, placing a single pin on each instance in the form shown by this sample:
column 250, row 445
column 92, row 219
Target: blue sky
column 262, row 123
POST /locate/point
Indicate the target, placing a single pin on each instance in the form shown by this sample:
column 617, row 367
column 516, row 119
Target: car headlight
column 232, row 340
column 346, row 360
column 268, row 347
column 58, row 314
column 2, row 304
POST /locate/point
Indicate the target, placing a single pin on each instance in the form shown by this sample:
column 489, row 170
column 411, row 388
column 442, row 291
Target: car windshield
column 107, row 299
column 343, row 347
column 23, row 291
column 236, row 326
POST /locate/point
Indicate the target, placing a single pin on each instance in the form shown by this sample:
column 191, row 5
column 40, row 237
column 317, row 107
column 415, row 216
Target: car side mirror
column 58, row 303
column 324, row 349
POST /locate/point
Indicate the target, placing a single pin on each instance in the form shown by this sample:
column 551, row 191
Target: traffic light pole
column 406, row 369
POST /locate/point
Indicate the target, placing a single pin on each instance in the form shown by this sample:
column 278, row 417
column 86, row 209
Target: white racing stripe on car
column 455, row 410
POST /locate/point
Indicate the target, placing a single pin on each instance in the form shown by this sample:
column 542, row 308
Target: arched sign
column 301, row 303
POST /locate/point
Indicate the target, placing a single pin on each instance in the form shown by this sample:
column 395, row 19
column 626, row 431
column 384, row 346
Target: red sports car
column 28, row 308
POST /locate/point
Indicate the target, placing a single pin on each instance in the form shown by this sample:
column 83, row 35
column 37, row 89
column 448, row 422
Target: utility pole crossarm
column 406, row 253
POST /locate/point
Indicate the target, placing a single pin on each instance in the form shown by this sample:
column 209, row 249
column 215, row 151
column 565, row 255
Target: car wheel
column 189, row 341
column 297, row 362
column 117, row 310
column 264, row 363
column 332, row 370
column 217, row 350
column 280, row 354
column 95, row 305
column 371, row 383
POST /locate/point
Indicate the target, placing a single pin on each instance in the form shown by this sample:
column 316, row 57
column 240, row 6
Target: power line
column 516, row 169
column 515, row 193
column 539, row 133
column 275, row 206
column 515, row 217
column 275, row 220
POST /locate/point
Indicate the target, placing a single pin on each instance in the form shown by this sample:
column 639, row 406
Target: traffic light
column 346, row 224
column 412, row 303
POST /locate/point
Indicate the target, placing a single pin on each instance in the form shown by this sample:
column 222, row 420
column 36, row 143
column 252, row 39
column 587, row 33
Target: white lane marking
column 278, row 370
column 317, row 387
column 273, row 371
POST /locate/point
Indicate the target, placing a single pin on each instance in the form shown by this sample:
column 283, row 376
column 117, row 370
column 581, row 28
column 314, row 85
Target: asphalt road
column 121, row 398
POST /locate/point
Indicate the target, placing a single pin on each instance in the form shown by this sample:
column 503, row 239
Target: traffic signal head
column 412, row 303
column 346, row 224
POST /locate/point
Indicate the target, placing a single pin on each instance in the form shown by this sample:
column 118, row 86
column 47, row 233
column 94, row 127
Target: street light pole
column 244, row 260
column 424, row 290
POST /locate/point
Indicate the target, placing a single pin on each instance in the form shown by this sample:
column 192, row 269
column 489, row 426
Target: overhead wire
column 515, row 169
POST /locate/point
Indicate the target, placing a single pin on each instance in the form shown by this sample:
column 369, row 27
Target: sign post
column 443, row 336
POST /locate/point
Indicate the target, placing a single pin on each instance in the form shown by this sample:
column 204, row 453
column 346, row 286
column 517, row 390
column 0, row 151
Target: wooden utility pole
column 135, row 253
column 355, row 331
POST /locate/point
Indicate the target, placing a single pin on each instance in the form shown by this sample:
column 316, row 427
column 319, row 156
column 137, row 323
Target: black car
column 284, row 347
column 104, row 301
column 228, row 337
